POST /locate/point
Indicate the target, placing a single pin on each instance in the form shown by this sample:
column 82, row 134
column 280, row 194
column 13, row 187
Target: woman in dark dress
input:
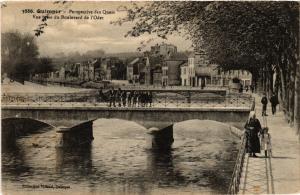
column 252, row 129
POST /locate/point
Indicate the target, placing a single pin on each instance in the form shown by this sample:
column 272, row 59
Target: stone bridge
column 76, row 121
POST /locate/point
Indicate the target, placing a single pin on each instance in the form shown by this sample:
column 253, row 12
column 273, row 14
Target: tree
column 44, row 65
column 262, row 37
column 19, row 55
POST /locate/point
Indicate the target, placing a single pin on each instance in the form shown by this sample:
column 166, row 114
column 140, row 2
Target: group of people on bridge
column 131, row 98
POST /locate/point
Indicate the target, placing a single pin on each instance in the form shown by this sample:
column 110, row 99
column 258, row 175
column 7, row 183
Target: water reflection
column 119, row 162
column 161, row 168
column 13, row 162
column 74, row 159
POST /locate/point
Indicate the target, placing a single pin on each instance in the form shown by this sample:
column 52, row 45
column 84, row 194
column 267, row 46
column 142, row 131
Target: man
column 274, row 101
column 124, row 96
column 264, row 102
column 241, row 89
column 119, row 97
column 112, row 98
column 252, row 88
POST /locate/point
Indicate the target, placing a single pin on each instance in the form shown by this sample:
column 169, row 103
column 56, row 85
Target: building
column 163, row 49
column 157, row 76
column 199, row 72
column 135, row 69
column 171, row 71
column 62, row 74
column 184, row 75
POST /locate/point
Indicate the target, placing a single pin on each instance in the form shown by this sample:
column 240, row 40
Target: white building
column 184, row 75
column 199, row 72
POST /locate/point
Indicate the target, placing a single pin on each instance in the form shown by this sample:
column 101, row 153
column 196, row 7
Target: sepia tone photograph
column 150, row 97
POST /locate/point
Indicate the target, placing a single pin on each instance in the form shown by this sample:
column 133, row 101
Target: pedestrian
column 265, row 142
column 124, row 96
column 139, row 99
column 247, row 88
column 101, row 95
column 252, row 88
column 112, row 98
column 274, row 102
column 129, row 99
column 119, row 97
column 146, row 99
column 202, row 84
column 150, row 98
column 252, row 129
column 134, row 98
column 264, row 102
column 241, row 88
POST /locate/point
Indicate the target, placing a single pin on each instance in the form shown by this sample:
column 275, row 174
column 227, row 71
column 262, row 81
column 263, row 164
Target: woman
column 252, row 128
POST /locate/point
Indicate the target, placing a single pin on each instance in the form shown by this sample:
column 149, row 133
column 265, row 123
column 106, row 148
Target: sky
column 70, row 35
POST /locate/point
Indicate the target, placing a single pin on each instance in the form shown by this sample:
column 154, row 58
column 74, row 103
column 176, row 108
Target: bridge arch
column 14, row 127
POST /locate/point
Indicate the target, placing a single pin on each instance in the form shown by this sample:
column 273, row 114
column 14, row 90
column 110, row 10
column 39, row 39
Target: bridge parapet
column 157, row 100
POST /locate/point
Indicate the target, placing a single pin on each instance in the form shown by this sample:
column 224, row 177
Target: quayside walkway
column 281, row 173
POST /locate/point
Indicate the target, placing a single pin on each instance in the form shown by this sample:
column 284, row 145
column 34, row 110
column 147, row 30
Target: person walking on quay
column 264, row 102
column 252, row 129
column 124, row 96
column 265, row 142
column 274, row 102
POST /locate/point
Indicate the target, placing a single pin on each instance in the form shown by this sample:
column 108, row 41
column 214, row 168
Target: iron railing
column 238, row 168
column 92, row 98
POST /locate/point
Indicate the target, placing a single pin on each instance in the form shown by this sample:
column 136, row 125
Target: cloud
column 79, row 35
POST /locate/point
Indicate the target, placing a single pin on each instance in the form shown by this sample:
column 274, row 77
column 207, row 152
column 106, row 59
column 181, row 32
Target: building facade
column 163, row 49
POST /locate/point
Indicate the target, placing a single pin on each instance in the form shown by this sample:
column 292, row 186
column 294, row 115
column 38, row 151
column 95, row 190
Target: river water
column 119, row 161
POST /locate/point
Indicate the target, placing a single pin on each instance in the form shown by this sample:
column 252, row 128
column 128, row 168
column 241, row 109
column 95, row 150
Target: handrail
column 238, row 168
column 157, row 100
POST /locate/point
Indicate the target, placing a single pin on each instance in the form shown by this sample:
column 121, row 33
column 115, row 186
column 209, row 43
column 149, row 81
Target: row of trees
column 20, row 56
column 261, row 37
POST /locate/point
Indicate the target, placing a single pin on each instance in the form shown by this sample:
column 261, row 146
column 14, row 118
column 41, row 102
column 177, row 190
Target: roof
column 177, row 56
column 134, row 61
column 184, row 64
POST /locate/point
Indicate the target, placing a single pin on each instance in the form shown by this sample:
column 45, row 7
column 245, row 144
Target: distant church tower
column 148, row 72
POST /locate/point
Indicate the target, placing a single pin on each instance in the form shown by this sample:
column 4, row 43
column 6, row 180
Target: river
column 119, row 161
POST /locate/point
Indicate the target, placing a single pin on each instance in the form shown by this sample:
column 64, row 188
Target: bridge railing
column 238, row 168
column 158, row 100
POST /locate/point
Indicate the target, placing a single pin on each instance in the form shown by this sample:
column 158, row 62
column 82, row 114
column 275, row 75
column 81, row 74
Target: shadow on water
column 15, row 128
column 13, row 162
column 74, row 159
column 161, row 168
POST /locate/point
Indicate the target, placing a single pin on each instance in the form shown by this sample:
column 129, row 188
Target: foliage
column 44, row 65
column 234, row 34
column 261, row 37
column 19, row 54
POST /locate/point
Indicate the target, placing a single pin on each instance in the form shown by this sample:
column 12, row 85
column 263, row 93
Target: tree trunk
column 297, row 99
column 283, row 88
